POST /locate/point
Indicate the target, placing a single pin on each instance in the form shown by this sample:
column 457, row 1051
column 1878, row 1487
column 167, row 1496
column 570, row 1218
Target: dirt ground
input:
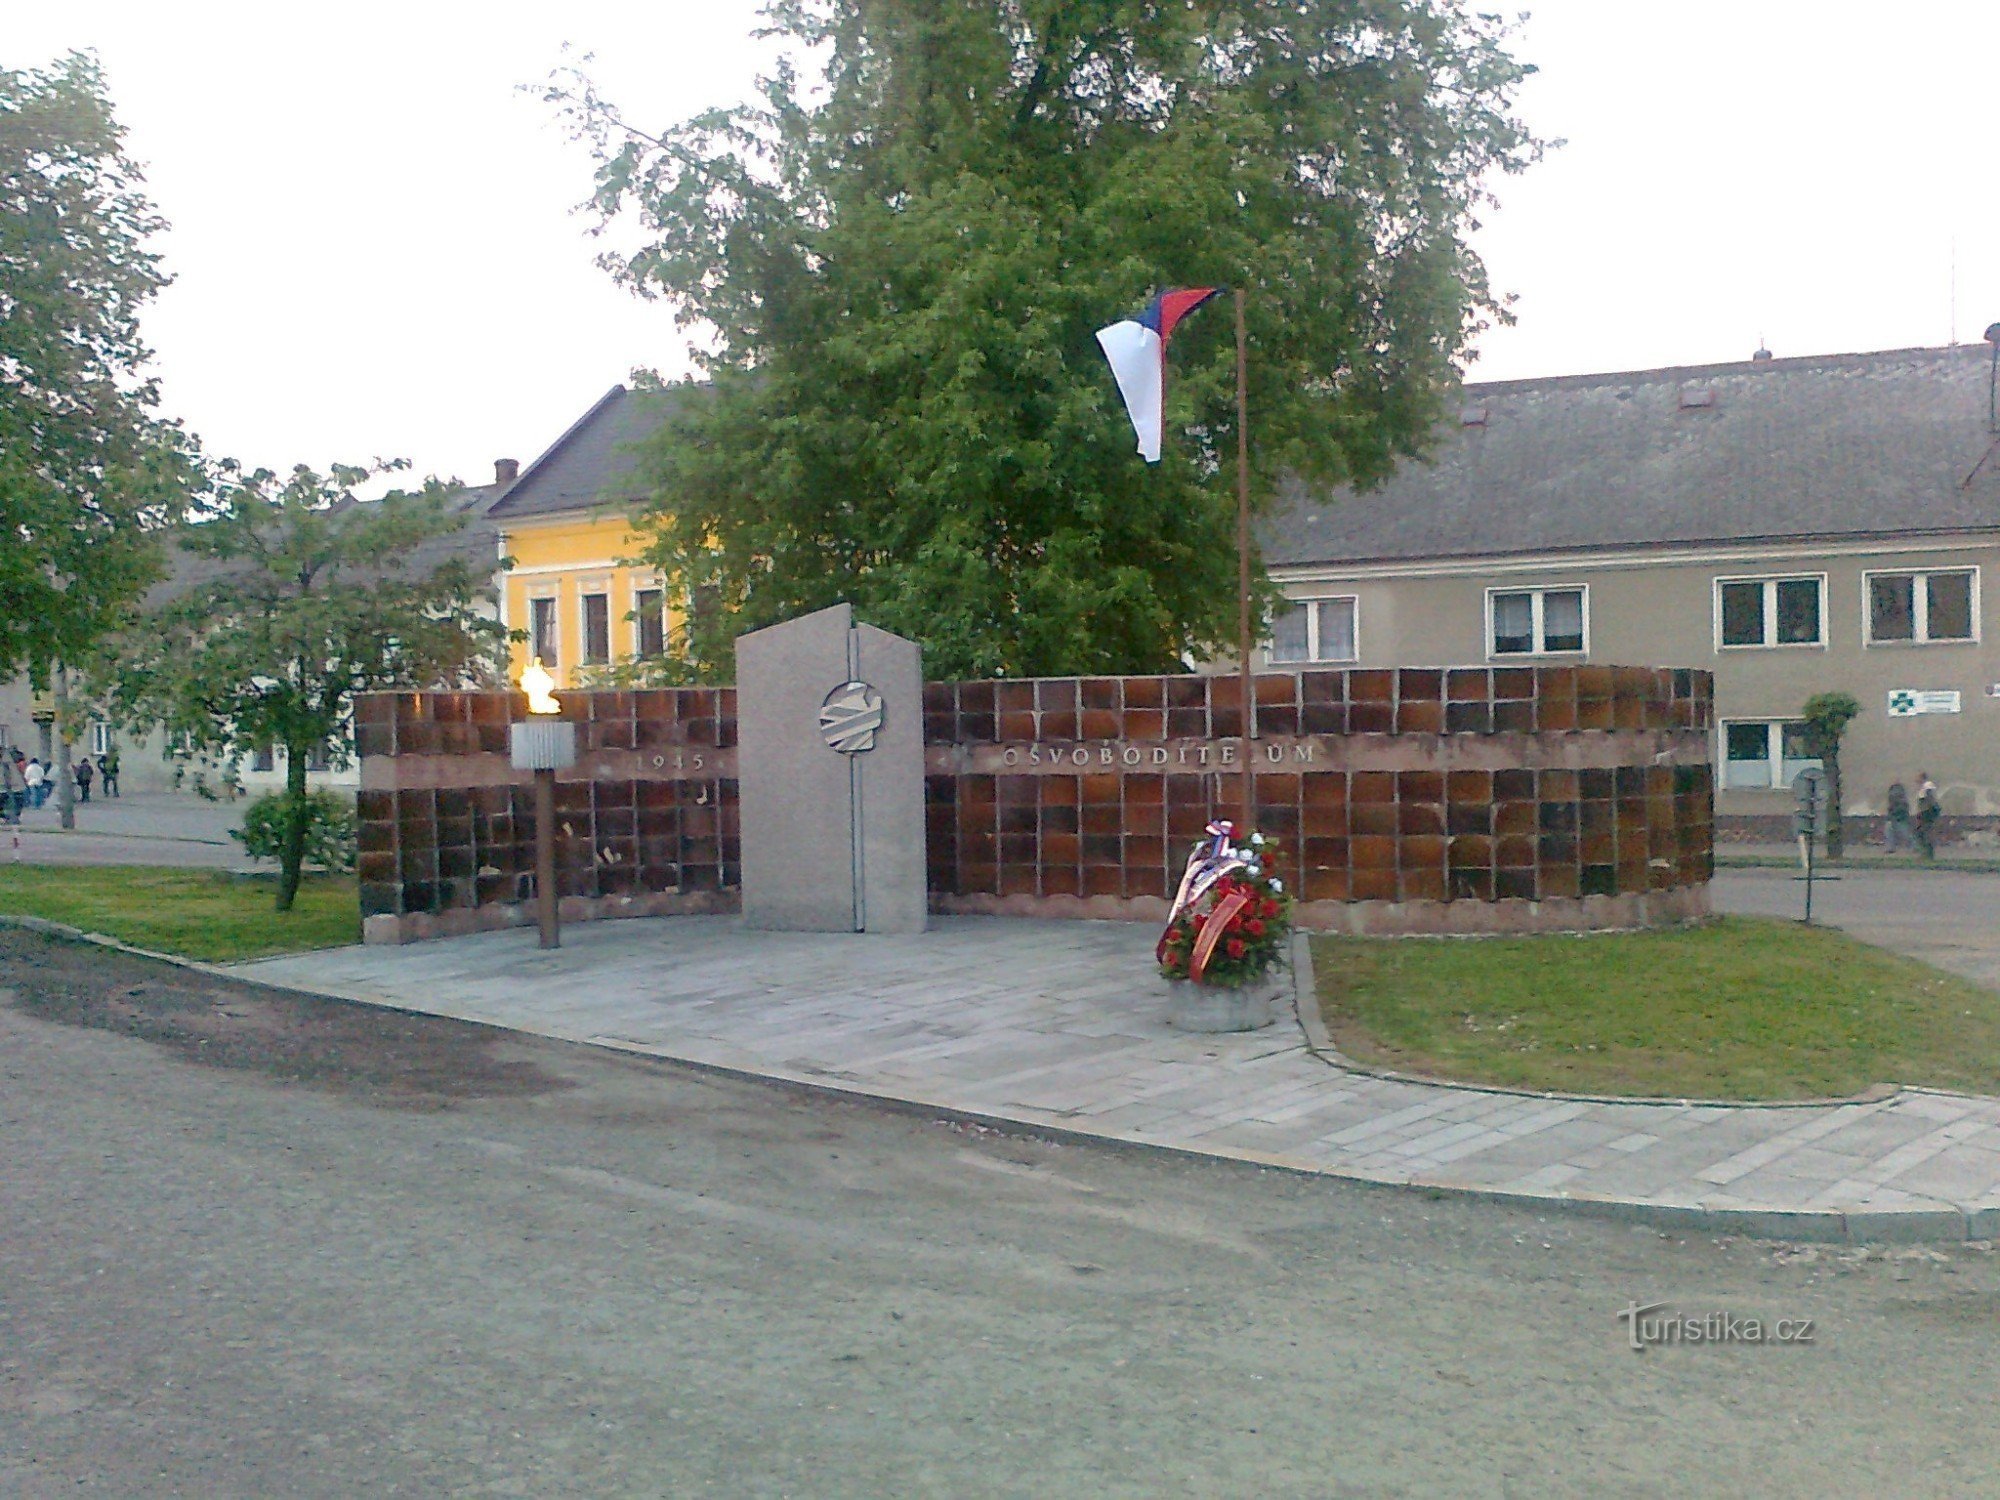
column 254, row 1245
column 402, row 1061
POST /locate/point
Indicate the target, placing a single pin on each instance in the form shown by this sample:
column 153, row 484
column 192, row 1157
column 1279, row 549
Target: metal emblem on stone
column 849, row 718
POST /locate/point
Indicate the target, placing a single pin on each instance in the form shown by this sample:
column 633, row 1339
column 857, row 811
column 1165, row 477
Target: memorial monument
column 830, row 771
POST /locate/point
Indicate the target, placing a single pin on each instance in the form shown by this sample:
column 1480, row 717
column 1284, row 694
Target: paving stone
column 1052, row 1023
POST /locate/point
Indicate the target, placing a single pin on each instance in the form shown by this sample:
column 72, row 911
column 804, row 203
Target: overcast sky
column 374, row 251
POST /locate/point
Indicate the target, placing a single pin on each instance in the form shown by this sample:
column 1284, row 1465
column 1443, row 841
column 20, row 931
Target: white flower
column 1257, row 839
column 1255, row 872
column 1277, row 885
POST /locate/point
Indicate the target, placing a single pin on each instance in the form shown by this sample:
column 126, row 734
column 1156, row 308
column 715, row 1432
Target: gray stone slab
column 990, row 1017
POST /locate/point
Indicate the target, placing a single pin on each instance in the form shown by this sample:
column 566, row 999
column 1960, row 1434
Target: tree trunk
column 65, row 774
column 292, row 843
column 1836, row 839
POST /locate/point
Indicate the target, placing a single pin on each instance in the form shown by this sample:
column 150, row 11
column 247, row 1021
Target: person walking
column 37, row 777
column 84, row 772
column 1929, row 811
column 107, row 765
column 13, row 786
column 1897, row 835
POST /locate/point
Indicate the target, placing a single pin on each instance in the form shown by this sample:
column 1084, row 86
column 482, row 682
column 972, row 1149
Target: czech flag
column 1137, row 349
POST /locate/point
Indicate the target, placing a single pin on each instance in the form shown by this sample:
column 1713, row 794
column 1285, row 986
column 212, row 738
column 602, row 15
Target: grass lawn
column 1743, row 1008
column 205, row 914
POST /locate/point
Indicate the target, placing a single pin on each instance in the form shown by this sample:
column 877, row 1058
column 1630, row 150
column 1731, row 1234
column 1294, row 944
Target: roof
column 1830, row 446
column 594, row 463
column 476, row 544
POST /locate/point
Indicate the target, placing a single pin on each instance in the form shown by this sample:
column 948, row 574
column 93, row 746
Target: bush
column 329, row 829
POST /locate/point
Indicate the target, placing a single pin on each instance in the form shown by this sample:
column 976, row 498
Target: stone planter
column 1215, row 1007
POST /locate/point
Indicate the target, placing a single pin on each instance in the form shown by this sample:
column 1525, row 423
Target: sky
column 375, row 252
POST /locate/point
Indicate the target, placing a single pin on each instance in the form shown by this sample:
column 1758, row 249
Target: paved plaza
column 1054, row 1025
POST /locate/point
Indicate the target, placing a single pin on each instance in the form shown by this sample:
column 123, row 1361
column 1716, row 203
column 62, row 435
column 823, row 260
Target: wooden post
column 1243, row 638
column 545, row 857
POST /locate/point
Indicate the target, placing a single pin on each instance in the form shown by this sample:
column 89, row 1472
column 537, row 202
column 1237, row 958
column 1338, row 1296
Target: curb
column 1940, row 1224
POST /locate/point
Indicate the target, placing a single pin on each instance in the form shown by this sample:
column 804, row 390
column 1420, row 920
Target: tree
column 1826, row 717
column 86, row 470
column 294, row 597
column 899, row 285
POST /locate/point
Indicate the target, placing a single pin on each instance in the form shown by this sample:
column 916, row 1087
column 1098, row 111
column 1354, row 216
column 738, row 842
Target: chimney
column 506, row 470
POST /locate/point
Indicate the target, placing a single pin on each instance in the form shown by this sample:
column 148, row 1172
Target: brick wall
column 1467, row 799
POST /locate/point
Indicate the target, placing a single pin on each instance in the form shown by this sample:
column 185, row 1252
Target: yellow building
column 567, row 524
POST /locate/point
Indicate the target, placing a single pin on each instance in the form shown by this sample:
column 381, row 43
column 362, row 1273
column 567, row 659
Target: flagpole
column 1243, row 571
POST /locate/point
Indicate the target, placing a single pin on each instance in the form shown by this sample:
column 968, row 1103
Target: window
column 265, row 759
column 652, row 622
column 100, row 738
column 1314, row 630
column 596, row 629
column 1921, row 608
column 1770, row 611
column 1763, row 753
column 1535, row 622
column 317, row 759
column 542, row 630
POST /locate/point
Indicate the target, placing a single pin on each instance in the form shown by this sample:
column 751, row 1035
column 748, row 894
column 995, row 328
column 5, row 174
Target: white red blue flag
column 1137, row 349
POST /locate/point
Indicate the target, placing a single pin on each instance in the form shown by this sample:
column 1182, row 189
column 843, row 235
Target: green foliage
column 85, row 469
column 295, row 596
column 1826, row 717
column 900, row 283
column 329, row 825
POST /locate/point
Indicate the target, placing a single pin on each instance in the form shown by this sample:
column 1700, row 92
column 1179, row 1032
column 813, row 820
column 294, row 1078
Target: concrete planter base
column 1214, row 1007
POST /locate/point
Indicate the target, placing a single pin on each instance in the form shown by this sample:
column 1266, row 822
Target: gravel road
column 252, row 1245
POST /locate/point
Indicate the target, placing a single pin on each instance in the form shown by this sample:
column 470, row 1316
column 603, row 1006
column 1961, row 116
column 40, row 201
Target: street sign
column 1907, row 703
column 1809, row 815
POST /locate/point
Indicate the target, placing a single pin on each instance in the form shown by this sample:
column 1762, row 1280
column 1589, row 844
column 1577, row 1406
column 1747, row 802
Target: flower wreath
column 1230, row 917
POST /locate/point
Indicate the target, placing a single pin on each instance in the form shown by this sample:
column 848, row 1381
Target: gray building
column 1793, row 525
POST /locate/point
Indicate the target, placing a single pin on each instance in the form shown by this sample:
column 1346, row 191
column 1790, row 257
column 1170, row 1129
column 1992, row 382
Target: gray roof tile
column 593, row 463
column 1821, row 447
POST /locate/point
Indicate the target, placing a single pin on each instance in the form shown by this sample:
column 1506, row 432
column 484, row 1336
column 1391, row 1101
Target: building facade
column 1793, row 526
column 580, row 601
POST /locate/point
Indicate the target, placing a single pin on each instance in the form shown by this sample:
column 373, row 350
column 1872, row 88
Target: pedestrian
column 13, row 786
column 37, row 776
column 1896, row 831
column 108, row 766
column 84, row 772
column 1929, row 811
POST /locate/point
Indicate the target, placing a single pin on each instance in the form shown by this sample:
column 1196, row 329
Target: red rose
column 1173, row 964
column 1236, row 947
column 1254, row 927
column 1269, row 908
column 1200, row 920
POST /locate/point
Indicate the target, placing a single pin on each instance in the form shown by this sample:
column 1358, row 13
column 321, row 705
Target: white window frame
column 647, row 586
column 1313, row 658
column 100, row 738
column 554, row 598
column 1538, row 593
column 1771, row 641
column 1920, row 606
column 585, row 592
column 1774, row 755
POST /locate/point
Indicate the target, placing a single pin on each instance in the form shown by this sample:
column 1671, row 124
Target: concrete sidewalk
column 1054, row 1025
